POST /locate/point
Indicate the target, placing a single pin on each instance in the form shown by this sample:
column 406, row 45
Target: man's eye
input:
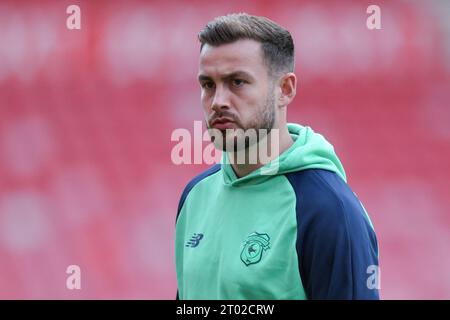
column 238, row 82
column 207, row 85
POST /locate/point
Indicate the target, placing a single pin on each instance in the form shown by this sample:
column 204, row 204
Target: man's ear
column 288, row 88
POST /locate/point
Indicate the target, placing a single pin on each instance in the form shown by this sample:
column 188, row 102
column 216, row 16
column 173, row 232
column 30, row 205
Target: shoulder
column 335, row 237
column 194, row 181
column 322, row 194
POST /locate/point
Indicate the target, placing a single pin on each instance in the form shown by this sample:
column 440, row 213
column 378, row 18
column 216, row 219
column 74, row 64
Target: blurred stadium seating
column 86, row 118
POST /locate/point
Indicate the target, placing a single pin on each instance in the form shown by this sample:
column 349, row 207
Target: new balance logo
column 195, row 240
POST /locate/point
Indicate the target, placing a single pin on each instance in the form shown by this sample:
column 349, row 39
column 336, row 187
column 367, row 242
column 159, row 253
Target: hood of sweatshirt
column 310, row 150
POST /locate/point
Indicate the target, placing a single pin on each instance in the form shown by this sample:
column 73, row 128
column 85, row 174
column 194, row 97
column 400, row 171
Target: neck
column 255, row 156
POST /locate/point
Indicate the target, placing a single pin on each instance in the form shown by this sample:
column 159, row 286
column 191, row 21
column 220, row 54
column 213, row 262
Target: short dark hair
column 276, row 42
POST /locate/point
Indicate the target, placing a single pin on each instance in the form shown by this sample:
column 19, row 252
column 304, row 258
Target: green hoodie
column 310, row 150
column 294, row 232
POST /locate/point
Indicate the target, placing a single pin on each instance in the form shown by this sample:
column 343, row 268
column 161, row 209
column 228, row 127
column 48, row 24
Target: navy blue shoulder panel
column 193, row 182
column 336, row 246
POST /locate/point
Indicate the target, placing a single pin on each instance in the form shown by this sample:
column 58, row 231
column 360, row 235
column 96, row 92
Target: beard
column 245, row 135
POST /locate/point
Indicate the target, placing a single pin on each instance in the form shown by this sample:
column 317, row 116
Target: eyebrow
column 232, row 75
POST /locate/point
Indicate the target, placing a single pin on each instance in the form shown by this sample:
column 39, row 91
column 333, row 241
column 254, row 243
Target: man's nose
column 221, row 99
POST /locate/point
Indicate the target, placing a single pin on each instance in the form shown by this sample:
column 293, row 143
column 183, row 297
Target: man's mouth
column 222, row 123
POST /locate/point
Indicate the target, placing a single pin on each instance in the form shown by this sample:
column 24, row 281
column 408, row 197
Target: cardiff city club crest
column 254, row 246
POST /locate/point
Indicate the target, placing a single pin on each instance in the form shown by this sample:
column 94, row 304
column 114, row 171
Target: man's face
column 236, row 92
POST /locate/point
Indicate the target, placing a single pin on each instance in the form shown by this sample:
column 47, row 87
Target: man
column 244, row 231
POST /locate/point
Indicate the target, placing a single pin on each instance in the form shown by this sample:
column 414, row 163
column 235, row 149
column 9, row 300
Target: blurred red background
column 86, row 117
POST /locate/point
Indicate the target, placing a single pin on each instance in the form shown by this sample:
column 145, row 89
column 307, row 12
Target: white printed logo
column 373, row 281
column 261, row 149
column 374, row 20
column 74, row 20
column 74, row 280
